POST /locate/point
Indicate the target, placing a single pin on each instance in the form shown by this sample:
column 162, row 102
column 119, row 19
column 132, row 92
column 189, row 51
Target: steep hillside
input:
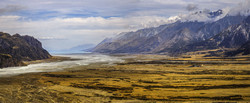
column 232, row 37
column 243, row 50
column 16, row 48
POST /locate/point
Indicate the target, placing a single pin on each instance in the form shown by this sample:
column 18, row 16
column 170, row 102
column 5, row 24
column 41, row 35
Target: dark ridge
column 15, row 49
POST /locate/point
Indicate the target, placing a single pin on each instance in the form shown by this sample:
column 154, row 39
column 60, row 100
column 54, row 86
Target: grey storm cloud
column 191, row 7
column 11, row 8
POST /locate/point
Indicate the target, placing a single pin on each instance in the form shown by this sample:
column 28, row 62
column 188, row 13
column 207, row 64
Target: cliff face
column 14, row 49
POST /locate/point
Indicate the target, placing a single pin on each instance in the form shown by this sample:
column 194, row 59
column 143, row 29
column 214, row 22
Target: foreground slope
column 16, row 48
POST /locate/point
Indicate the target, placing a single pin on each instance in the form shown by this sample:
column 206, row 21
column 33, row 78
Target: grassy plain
column 142, row 78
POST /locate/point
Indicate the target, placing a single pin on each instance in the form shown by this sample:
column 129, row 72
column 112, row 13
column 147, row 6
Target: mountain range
column 77, row 49
column 232, row 37
column 182, row 36
column 16, row 48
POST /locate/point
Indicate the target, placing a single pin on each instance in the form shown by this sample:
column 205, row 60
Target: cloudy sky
column 62, row 24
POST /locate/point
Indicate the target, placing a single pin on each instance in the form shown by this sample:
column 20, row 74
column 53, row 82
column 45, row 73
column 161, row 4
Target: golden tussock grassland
column 143, row 78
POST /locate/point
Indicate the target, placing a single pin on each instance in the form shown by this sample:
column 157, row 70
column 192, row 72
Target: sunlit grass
column 140, row 79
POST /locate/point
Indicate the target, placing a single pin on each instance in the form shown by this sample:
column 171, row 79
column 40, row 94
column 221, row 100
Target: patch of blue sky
column 81, row 14
column 48, row 14
column 38, row 15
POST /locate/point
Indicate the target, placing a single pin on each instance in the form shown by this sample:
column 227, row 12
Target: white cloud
column 192, row 7
column 108, row 8
column 11, row 8
column 241, row 9
column 90, row 21
column 76, row 31
column 50, row 38
column 202, row 16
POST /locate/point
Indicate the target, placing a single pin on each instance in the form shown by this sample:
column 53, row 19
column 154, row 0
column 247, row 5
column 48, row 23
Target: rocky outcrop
column 15, row 49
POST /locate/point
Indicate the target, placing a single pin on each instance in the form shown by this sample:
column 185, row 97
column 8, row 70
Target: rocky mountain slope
column 243, row 50
column 167, row 38
column 14, row 49
column 232, row 37
column 77, row 49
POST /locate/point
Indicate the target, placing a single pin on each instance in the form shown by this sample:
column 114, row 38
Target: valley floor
column 143, row 78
